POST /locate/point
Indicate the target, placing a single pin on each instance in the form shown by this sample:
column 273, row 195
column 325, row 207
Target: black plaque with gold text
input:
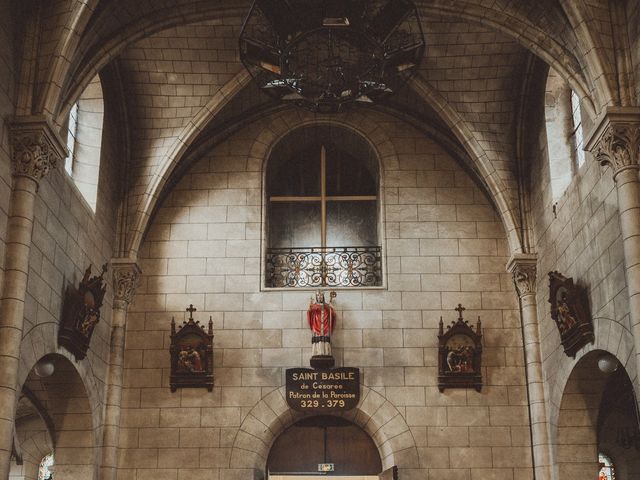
column 323, row 391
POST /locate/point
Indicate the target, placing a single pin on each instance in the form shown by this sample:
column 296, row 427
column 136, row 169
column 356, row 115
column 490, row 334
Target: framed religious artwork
column 570, row 311
column 81, row 313
column 460, row 354
column 191, row 354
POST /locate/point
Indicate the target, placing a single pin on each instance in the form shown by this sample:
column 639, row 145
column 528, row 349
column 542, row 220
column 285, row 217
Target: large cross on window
column 323, row 198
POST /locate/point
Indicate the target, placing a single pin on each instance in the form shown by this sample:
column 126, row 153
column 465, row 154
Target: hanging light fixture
column 325, row 54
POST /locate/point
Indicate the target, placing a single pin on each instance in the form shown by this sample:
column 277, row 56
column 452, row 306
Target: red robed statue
column 322, row 320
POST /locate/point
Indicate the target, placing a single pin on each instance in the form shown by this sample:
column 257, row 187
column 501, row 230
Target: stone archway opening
column 32, row 439
column 64, row 425
column 598, row 414
column 336, row 442
column 375, row 415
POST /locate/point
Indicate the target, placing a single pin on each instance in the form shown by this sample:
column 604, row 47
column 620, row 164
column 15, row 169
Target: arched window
column 84, row 140
column 565, row 137
column 322, row 211
column 607, row 470
column 558, row 122
column 44, row 471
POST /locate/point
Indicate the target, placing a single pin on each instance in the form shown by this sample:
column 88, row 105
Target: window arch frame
column 380, row 219
column 84, row 146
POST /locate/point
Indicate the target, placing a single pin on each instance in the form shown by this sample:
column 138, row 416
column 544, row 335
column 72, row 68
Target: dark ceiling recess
column 325, row 54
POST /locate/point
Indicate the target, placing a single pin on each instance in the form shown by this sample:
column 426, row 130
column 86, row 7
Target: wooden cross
column 191, row 309
column 460, row 309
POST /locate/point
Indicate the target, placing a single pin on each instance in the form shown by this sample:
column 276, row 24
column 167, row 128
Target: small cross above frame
column 191, row 309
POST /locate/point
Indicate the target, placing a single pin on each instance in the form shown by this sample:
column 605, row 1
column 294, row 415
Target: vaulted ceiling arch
column 103, row 41
column 146, row 205
column 98, row 51
column 108, row 35
column 496, row 185
column 532, row 37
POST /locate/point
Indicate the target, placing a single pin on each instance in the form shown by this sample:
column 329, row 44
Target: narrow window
column 577, row 136
column 84, row 141
column 322, row 204
column 558, row 128
column 72, row 132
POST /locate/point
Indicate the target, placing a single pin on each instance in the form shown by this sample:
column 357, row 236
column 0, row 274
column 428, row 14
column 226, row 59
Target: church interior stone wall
column 444, row 245
column 8, row 64
column 582, row 239
column 468, row 215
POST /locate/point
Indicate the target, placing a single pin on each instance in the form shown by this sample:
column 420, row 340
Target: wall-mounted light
column 607, row 363
column 44, row 368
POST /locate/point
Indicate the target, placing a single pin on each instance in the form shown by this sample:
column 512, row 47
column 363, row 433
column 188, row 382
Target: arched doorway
column 598, row 420
column 344, row 448
column 56, row 419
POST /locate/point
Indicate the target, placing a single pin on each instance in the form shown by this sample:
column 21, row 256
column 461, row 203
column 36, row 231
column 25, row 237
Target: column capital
column 615, row 140
column 36, row 147
column 126, row 278
column 523, row 268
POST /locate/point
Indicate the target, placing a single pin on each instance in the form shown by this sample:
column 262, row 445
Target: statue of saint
column 322, row 318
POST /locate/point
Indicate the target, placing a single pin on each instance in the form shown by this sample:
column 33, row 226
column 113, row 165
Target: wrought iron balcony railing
column 324, row 267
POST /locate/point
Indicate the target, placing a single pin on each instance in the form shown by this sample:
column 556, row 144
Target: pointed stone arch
column 610, row 336
column 47, row 90
column 91, row 61
column 530, row 36
column 277, row 127
column 149, row 200
column 596, row 67
column 489, row 175
column 64, row 398
column 41, row 341
column 94, row 60
column 382, row 421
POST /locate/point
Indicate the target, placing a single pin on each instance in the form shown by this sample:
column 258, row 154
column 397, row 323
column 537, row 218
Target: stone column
column 523, row 268
column 126, row 276
column 615, row 142
column 35, row 149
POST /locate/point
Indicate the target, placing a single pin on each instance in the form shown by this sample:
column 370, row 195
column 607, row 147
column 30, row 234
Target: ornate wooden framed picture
column 191, row 354
column 460, row 354
column 570, row 311
column 81, row 313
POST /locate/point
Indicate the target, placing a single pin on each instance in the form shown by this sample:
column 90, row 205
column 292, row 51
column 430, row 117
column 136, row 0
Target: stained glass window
column 607, row 471
column 43, row 472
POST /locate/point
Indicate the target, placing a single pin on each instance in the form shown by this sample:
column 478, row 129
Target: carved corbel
column 615, row 142
column 619, row 147
column 523, row 269
column 126, row 278
column 35, row 147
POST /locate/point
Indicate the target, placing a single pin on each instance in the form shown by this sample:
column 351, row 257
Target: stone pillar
column 523, row 268
column 35, row 149
column 126, row 276
column 615, row 142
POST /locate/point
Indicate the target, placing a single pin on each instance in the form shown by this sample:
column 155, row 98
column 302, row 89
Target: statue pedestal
column 322, row 362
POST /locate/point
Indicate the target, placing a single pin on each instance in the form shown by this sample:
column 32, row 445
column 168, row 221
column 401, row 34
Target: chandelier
column 325, row 54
